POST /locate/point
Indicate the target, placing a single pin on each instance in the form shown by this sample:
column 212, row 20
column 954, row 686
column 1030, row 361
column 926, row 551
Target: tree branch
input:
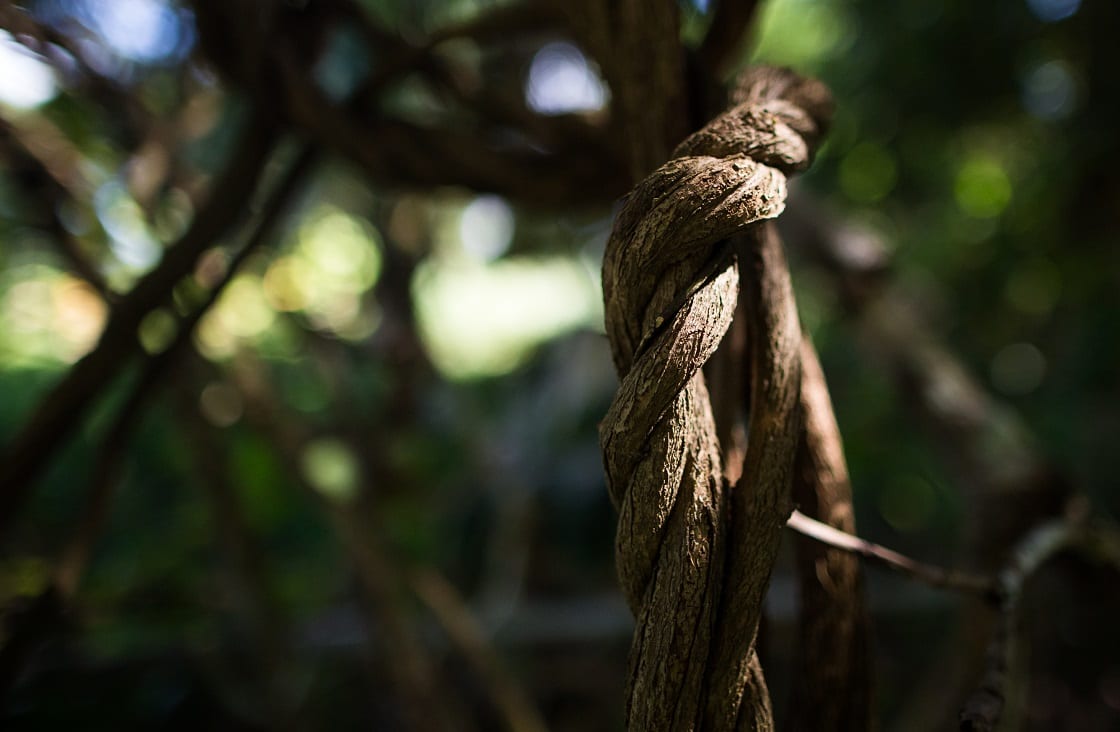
column 26, row 632
column 986, row 705
column 400, row 154
column 464, row 632
column 62, row 409
column 74, row 559
column 726, row 34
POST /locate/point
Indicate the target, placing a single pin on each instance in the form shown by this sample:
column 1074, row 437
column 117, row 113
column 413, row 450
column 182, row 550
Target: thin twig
column 950, row 579
column 985, row 706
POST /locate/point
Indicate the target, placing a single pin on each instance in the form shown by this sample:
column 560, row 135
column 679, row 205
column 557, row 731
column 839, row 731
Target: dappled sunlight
column 982, row 187
column 486, row 227
column 26, row 82
column 48, row 318
column 483, row 320
column 332, row 469
column 323, row 275
column 561, row 80
column 803, row 33
column 306, row 391
column 130, row 239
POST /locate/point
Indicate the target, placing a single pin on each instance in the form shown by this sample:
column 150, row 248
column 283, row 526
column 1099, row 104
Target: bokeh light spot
column 1049, row 91
column 337, row 257
column 330, row 468
column 140, row 30
column 79, row 316
column 561, row 81
column 1052, row 11
column 25, row 82
column 285, row 287
column 47, row 317
column 982, row 188
column 802, row 33
column 130, row 240
column 486, row 227
column 482, row 320
column 157, row 330
column 242, row 308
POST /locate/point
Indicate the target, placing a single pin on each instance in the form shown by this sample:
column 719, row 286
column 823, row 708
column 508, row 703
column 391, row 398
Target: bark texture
column 832, row 674
column 694, row 557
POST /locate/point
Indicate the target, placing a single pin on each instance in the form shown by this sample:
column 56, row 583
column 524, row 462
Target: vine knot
column 670, row 286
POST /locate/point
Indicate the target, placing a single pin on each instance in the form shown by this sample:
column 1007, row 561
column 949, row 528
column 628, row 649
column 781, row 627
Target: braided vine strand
column 670, row 286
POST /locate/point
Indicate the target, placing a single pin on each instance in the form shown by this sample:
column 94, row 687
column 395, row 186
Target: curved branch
column 985, row 707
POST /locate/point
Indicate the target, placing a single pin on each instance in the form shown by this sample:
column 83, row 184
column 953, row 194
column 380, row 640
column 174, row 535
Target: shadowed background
column 367, row 488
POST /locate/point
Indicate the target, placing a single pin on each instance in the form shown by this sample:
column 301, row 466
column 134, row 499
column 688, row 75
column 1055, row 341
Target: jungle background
column 362, row 488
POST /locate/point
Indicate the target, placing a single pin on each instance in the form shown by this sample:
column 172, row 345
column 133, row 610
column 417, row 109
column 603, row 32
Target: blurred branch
column 249, row 582
column 76, row 555
column 1014, row 485
column 411, row 670
column 462, row 628
column 501, row 146
column 985, row 707
column 52, row 179
column 727, row 31
column 61, row 410
column 355, row 525
column 1004, row 589
column 65, row 56
column 24, row 634
column 400, row 154
column 988, row 445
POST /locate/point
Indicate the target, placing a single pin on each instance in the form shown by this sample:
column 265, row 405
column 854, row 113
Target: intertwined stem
column 694, row 555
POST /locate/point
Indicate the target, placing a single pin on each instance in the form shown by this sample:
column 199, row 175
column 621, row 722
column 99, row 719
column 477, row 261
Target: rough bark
column 832, row 663
column 694, row 559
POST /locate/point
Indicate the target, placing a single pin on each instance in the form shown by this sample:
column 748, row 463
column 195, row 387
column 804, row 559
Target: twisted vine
column 693, row 554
